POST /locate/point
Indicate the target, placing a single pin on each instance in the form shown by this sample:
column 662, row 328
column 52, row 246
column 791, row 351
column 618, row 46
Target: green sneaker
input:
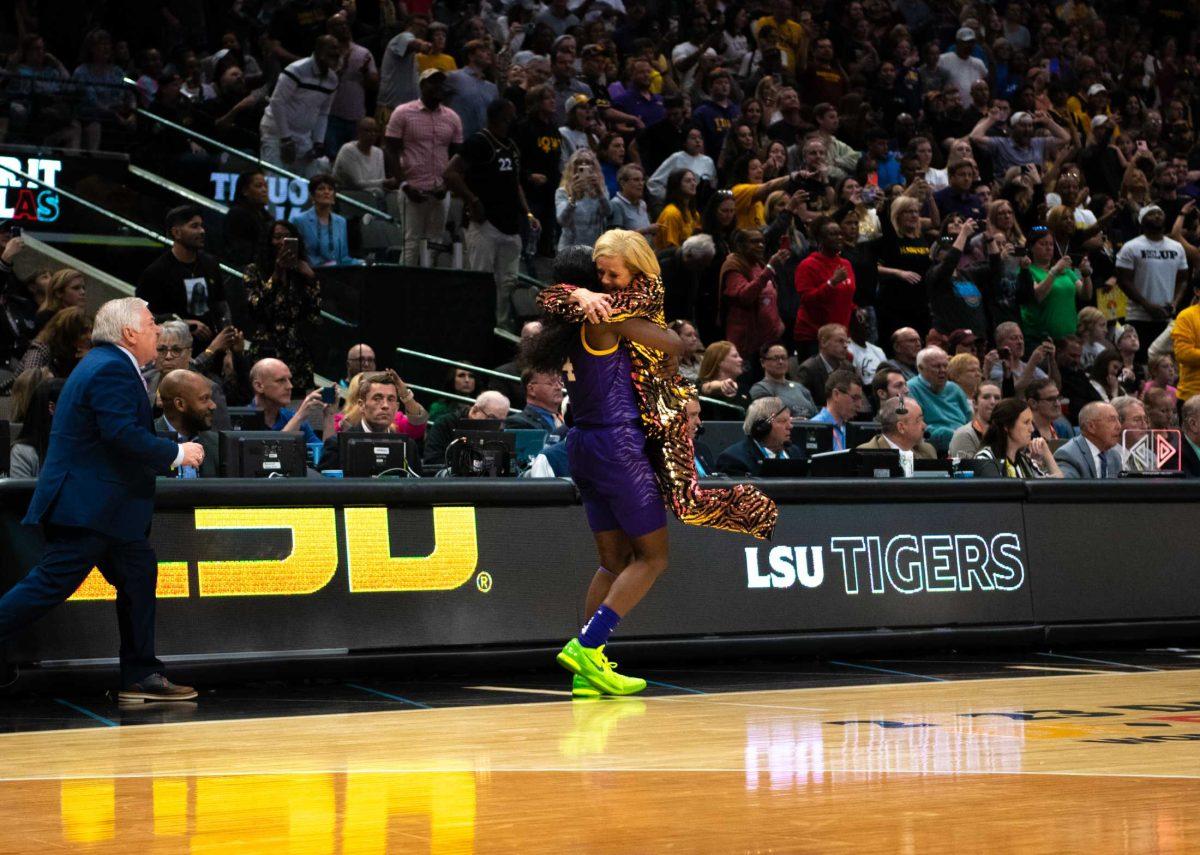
column 591, row 664
column 581, row 688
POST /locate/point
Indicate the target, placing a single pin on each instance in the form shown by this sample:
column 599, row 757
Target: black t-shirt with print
column 493, row 174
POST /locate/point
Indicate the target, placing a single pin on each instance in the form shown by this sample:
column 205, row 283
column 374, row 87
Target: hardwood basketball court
column 1082, row 758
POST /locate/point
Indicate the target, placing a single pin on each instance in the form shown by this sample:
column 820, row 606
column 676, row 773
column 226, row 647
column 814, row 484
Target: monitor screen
column 246, row 418
column 492, row 452
column 859, row 432
column 812, row 437
column 262, row 454
column 367, row 455
column 528, row 444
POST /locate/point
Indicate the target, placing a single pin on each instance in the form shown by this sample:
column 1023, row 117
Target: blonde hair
column 1088, row 315
column 777, row 198
column 901, row 205
column 959, row 365
column 1058, row 216
column 632, row 248
column 59, row 280
column 1015, row 236
column 572, row 167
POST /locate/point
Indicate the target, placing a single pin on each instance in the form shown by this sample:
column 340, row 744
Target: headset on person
column 760, row 428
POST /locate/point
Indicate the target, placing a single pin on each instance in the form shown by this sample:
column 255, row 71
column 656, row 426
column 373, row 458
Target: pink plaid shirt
column 427, row 136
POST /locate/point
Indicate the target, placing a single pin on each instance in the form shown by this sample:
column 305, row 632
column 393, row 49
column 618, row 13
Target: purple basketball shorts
column 615, row 479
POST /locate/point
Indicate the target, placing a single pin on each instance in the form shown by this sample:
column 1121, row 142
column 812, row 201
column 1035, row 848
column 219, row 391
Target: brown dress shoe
column 156, row 687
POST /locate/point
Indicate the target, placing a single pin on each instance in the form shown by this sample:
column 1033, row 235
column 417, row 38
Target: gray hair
column 113, row 318
column 699, row 246
column 926, row 352
column 1091, row 411
column 1123, row 403
column 491, row 396
column 1006, row 329
column 1191, row 408
column 176, row 330
column 761, row 408
column 889, row 412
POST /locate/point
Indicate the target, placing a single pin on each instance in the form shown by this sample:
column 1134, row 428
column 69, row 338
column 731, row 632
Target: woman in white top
column 923, row 149
column 691, row 158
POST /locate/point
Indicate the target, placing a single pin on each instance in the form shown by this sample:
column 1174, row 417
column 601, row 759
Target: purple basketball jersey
column 600, row 385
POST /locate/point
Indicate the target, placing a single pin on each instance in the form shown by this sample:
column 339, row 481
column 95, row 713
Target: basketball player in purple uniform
column 606, row 449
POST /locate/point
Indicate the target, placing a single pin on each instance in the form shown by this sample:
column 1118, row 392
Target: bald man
column 271, row 381
column 188, row 408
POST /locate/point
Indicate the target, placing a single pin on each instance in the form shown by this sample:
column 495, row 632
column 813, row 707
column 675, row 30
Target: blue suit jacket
column 324, row 245
column 103, row 456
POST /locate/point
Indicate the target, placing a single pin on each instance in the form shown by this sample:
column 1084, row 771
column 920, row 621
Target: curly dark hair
column 547, row 350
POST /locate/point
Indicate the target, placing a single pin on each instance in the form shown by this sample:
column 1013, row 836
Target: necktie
column 1103, row 465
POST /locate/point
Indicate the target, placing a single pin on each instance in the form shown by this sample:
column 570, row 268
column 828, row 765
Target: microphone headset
column 759, row 428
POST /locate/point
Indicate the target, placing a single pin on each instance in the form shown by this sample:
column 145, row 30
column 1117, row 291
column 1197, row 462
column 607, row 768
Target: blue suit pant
column 70, row 554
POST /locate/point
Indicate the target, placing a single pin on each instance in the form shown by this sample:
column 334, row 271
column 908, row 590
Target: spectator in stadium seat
column 249, row 220
column 1010, row 348
column 185, row 280
column 490, row 405
column 843, row 399
column 468, row 90
column 706, row 467
column 825, row 284
column 359, row 358
column 1161, row 409
column 19, row 298
column 411, row 417
column 628, row 207
column 946, row 406
column 1190, row 422
column 357, row 75
column 459, row 381
column 65, row 340
column 1044, row 400
column 543, row 404
column 541, row 159
column 1094, row 453
column 67, row 288
column 968, row 439
column 902, row 427
column 374, row 408
column 721, row 372
column 232, row 117
column 293, row 126
column 1132, row 415
column 29, row 448
column 188, row 412
column 833, row 353
column 1186, row 338
column 749, row 294
column 325, row 235
column 906, row 344
column 487, row 175
column 887, row 382
column 398, row 70
column 746, row 456
column 175, row 353
column 775, row 383
column 691, row 157
column 1010, row 442
column 271, row 380
column 418, row 140
column 581, row 201
column 107, row 107
column 360, row 163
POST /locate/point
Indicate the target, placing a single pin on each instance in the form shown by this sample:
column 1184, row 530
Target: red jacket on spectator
column 821, row 303
column 751, row 303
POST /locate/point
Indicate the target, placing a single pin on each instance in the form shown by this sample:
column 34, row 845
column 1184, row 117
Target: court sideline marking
column 108, row 722
column 1100, row 661
column 891, row 671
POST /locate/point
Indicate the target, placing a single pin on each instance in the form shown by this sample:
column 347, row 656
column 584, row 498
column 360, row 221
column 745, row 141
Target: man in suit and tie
column 833, row 352
column 1189, row 421
column 903, row 429
column 1094, row 453
column 768, row 427
column 95, row 496
column 188, row 408
column 373, row 412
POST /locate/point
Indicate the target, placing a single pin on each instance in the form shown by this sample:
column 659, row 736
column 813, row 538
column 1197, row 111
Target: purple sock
column 597, row 630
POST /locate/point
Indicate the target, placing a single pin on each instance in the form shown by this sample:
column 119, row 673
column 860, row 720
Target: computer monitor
column 246, row 418
column 981, row 467
column 795, row 467
column 369, row 455
column 262, row 454
column 529, row 444
column 859, row 432
column 481, row 452
column 856, row 463
column 812, row 437
column 720, row 435
column 465, row 423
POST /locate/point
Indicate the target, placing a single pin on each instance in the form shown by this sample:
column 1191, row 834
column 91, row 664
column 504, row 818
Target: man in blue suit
column 95, row 495
column 1094, row 453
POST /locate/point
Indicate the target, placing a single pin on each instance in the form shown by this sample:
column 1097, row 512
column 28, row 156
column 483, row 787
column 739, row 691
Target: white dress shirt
column 906, row 457
column 138, row 369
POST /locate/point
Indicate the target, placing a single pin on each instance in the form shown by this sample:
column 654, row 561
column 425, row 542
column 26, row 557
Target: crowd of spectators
column 977, row 218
